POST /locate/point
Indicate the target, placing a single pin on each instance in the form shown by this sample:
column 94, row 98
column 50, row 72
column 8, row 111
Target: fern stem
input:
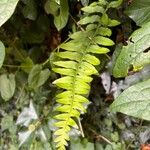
column 90, row 38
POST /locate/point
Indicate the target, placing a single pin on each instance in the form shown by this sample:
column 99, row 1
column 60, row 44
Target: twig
column 101, row 137
column 81, row 129
column 16, row 66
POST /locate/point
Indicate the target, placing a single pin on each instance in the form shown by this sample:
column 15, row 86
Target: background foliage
column 29, row 40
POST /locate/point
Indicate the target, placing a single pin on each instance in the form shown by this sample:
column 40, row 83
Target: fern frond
column 76, row 65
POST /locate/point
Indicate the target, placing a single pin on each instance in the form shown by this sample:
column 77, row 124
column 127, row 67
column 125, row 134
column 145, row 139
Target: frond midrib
column 73, row 89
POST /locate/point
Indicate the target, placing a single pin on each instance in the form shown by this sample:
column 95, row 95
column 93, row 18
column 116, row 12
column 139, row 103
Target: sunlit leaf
column 135, row 101
column 6, row 9
column 133, row 56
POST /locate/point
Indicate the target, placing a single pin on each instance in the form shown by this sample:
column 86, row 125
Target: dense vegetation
column 75, row 74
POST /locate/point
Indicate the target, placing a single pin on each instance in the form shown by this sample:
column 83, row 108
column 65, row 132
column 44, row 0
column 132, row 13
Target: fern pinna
column 77, row 63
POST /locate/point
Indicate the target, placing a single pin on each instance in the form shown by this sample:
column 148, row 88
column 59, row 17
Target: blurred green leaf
column 7, row 122
column 6, row 9
column 2, row 53
column 85, row 145
column 37, row 76
column 30, row 10
column 52, row 7
column 115, row 136
column 27, row 65
column 60, row 11
column 114, row 4
column 139, row 11
column 7, row 86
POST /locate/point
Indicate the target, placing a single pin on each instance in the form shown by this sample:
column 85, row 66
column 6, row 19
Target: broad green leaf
column 37, row 76
column 62, row 19
column 7, row 86
column 135, row 53
column 135, row 101
column 139, row 11
column 7, row 8
column 2, row 53
column 60, row 10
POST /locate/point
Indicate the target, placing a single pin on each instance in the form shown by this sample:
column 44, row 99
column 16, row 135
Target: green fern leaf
column 76, row 65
